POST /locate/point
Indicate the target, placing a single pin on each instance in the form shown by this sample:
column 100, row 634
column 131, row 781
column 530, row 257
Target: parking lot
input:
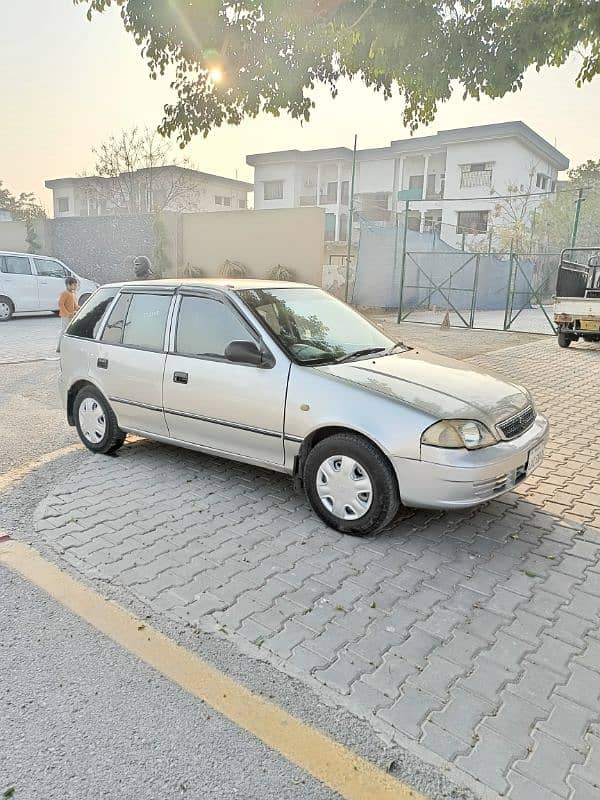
column 472, row 639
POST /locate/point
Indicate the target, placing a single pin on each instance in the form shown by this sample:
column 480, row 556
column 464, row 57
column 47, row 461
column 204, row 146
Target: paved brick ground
column 29, row 338
column 472, row 635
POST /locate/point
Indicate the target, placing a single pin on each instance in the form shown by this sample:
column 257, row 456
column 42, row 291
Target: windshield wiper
column 394, row 347
column 357, row 353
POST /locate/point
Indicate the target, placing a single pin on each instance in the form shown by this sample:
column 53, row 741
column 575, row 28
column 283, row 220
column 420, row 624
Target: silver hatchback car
column 284, row 376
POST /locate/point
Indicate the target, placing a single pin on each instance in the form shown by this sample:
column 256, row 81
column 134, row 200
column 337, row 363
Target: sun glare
column 215, row 74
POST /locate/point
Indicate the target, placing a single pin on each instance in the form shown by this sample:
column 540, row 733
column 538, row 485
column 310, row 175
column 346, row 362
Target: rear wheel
column 351, row 485
column 564, row 339
column 96, row 422
column 6, row 309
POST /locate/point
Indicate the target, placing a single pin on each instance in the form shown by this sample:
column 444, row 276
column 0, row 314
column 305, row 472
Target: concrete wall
column 102, row 248
column 12, row 235
column 259, row 239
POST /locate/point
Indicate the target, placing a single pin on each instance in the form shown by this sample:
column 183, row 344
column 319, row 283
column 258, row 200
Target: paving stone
column 463, row 713
column 589, row 770
column 488, row 760
column 582, row 790
column 569, row 722
column 549, row 763
column 442, row 742
column 515, row 718
column 343, row 672
column 522, row 788
column 409, row 712
column 583, row 687
column 436, row 676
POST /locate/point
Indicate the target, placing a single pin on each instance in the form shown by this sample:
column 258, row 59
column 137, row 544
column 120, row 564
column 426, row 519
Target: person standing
column 142, row 268
column 67, row 305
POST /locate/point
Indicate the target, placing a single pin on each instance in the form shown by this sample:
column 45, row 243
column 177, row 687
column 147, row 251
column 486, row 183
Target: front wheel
column 96, row 422
column 351, row 485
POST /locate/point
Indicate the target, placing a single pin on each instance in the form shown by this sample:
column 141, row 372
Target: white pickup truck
column 577, row 299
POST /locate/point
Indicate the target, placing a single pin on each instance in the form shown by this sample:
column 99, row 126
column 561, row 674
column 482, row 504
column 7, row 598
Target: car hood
column 440, row 386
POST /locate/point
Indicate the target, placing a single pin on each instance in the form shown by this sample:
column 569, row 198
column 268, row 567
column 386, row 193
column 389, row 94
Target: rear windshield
column 87, row 322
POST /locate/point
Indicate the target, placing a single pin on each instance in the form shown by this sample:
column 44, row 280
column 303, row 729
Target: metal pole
column 403, row 260
column 474, row 298
column 532, row 230
column 463, row 242
column 578, row 203
column 350, row 220
column 507, row 313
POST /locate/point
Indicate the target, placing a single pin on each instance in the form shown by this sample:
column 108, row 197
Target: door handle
column 180, row 377
column 102, row 363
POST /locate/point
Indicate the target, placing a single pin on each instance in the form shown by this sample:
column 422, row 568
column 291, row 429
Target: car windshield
column 313, row 326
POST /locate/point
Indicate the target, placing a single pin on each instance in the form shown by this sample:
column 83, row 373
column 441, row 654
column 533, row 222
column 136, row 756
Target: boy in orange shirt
column 67, row 305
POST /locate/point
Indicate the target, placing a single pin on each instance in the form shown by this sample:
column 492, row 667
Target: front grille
column 515, row 426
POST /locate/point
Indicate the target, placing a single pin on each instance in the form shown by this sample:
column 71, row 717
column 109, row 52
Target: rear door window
column 87, row 322
column 115, row 325
column 15, row 265
column 146, row 321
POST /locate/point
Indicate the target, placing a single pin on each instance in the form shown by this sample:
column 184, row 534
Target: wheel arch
column 324, row 432
column 72, row 393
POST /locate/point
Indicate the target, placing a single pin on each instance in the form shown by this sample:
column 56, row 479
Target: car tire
column 96, row 422
column 364, row 491
column 564, row 339
column 7, row 309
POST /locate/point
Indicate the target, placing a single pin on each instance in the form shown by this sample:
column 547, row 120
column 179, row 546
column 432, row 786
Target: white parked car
column 34, row 283
column 286, row 377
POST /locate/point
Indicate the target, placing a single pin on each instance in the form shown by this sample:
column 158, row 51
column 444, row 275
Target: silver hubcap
column 92, row 420
column 4, row 310
column 344, row 487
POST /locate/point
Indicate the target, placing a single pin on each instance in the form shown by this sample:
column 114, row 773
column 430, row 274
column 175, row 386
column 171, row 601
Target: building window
column 62, row 205
column 243, row 203
column 218, row 200
column 475, row 175
column 273, row 190
column 345, row 193
column 330, row 227
column 432, row 221
column 227, row 201
column 330, row 196
column 472, row 221
column 542, row 181
column 415, row 182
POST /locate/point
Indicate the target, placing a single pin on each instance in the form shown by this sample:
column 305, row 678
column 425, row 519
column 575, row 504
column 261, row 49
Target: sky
column 67, row 84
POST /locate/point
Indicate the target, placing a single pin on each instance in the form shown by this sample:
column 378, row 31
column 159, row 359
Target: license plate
column 589, row 325
column 535, row 457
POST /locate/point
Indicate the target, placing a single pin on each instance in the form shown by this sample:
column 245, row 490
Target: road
column 82, row 717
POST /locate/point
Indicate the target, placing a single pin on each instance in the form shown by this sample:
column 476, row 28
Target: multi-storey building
column 168, row 188
column 457, row 175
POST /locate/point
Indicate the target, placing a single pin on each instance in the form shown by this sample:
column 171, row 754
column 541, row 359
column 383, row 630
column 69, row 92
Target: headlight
column 456, row 433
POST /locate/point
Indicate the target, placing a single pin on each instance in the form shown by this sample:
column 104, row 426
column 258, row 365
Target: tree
column 23, row 207
column 134, row 174
column 555, row 217
column 237, row 58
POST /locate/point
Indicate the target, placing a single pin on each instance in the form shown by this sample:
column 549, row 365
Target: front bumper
column 446, row 478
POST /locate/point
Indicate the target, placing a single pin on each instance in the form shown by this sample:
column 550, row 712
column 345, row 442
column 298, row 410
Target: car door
column 19, row 282
column 209, row 401
column 51, row 281
column 131, row 359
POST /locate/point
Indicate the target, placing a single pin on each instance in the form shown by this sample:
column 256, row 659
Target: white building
column 168, row 188
column 458, row 174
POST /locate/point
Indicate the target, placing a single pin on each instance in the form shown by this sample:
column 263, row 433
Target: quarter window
column 15, row 265
column 87, row 322
column 206, row 327
column 50, row 269
column 273, row 190
column 146, row 321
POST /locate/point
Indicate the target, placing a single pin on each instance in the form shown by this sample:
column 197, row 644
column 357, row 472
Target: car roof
column 20, row 253
column 218, row 283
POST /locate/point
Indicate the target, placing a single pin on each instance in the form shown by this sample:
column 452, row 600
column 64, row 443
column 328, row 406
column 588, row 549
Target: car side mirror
column 248, row 353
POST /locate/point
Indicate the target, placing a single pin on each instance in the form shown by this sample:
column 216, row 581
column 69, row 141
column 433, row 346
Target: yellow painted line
column 351, row 776
column 17, row 474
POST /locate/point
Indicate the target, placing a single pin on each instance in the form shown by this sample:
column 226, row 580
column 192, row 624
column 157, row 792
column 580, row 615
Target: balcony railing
column 471, row 180
column 308, row 200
